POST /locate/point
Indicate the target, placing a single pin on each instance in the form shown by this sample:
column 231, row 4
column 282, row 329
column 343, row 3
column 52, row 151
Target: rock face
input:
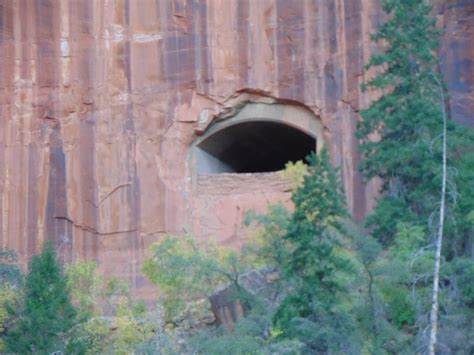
column 101, row 102
column 225, row 301
column 457, row 53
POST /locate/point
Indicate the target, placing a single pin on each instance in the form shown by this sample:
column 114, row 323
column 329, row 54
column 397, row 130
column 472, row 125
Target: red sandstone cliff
column 99, row 102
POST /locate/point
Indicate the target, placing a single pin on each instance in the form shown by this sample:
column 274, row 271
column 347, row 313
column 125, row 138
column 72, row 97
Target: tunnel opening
column 253, row 147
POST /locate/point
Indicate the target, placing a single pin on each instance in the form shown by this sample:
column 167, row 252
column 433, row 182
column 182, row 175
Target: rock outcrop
column 100, row 102
column 226, row 302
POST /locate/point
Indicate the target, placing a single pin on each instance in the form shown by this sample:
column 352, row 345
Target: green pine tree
column 46, row 321
column 401, row 137
column 407, row 120
column 313, row 312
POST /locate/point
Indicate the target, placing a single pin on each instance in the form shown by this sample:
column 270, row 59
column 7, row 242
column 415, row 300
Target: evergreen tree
column 407, row 120
column 402, row 140
column 313, row 312
column 46, row 320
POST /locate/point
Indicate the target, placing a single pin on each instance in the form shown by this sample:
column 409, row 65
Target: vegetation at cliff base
column 316, row 267
column 45, row 318
column 425, row 163
column 308, row 279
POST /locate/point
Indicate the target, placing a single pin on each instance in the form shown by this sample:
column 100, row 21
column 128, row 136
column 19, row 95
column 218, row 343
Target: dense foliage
column 11, row 283
column 179, row 265
column 406, row 119
column 313, row 311
column 401, row 134
column 46, row 318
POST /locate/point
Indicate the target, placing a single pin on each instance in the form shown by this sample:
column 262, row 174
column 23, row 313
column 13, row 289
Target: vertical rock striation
column 99, row 102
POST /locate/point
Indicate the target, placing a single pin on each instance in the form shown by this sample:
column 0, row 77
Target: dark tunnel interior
column 253, row 147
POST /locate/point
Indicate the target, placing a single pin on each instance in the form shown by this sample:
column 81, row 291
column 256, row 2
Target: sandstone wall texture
column 100, row 101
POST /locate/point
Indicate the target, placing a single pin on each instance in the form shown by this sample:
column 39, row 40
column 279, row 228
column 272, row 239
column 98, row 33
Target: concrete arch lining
column 258, row 138
column 295, row 116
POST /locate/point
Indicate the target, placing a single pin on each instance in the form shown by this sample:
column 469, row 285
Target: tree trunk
column 439, row 239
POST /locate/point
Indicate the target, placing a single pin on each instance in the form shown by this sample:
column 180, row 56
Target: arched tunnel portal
column 253, row 147
column 260, row 138
column 234, row 165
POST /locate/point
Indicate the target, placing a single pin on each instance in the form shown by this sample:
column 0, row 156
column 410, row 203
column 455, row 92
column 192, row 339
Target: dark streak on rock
column 32, row 202
column 243, row 24
column 57, row 196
